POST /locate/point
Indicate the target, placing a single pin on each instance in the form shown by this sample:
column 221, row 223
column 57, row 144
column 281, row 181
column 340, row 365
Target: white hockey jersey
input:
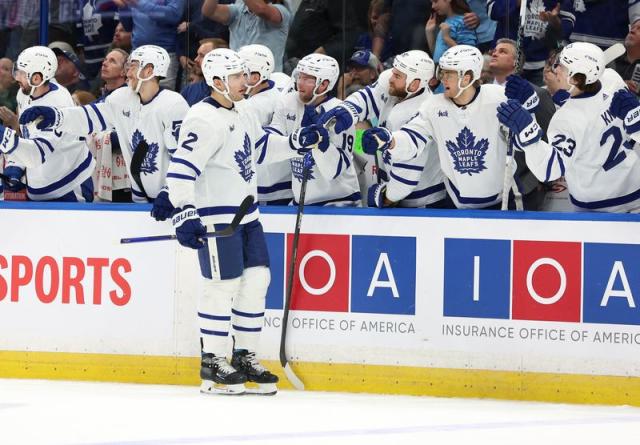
column 55, row 163
column 274, row 179
column 415, row 182
column 332, row 181
column 214, row 167
column 591, row 149
column 156, row 123
column 471, row 146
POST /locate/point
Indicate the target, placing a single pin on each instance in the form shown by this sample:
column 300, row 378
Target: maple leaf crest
column 467, row 155
column 244, row 159
column 297, row 167
column 150, row 162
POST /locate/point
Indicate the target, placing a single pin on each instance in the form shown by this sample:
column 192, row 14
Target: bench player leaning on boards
column 211, row 173
column 331, row 175
column 56, row 166
column 144, row 116
column 589, row 136
column 392, row 102
column 463, row 124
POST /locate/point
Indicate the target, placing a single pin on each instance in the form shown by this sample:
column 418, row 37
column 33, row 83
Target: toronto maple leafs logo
column 244, row 160
column 468, row 155
column 150, row 162
column 297, row 169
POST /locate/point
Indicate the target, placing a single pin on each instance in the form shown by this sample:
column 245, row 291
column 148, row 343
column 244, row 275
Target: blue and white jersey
column 411, row 183
column 471, row 145
column 604, row 22
column 214, row 167
column 155, row 123
column 274, row 179
column 55, row 162
column 332, row 180
column 99, row 20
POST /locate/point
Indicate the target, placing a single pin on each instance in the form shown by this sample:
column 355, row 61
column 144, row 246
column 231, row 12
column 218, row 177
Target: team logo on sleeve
column 297, row 169
column 467, row 154
column 149, row 164
column 243, row 159
column 386, row 157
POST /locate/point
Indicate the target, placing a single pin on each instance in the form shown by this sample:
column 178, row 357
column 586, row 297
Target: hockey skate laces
column 251, row 358
column 223, row 366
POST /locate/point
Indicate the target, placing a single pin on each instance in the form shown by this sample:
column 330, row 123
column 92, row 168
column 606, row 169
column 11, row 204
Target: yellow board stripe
column 509, row 385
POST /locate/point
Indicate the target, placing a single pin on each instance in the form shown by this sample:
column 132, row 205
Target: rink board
column 453, row 303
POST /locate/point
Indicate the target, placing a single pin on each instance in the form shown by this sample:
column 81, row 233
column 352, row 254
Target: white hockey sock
column 214, row 314
column 248, row 308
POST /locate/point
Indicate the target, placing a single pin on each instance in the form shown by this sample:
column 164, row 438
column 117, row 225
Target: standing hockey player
column 463, row 125
column 211, row 173
column 589, row 141
column 332, row 179
column 392, row 102
column 146, row 118
column 274, row 179
column 56, row 166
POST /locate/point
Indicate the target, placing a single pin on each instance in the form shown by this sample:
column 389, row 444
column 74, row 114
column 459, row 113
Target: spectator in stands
column 362, row 69
column 319, row 26
column 121, row 38
column 548, row 22
column 377, row 38
column 113, row 72
column 446, row 28
column 155, row 23
column 253, row 21
column 478, row 20
column 486, row 76
column 81, row 97
column 198, row 90
column 604, row 22
column 406, row 25
column 8, row 86
column 98, row 27
column 69, row 73
column 629, row 68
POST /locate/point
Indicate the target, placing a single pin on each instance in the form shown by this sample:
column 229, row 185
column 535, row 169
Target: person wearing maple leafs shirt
column 463, row 124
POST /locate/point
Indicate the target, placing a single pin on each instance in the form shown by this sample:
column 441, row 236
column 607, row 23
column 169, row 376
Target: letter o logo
column 563, row 280
column 332, row 272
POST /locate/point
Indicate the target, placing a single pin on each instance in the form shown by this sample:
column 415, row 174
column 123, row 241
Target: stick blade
column 293, row 378
column 613, row 52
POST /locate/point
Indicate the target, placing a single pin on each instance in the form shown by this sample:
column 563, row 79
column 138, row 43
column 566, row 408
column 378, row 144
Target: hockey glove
column 189, row 228
column 512, row 115
column 625, row 105
column 310, row 116
column 162, row 207
column 375, row 196
column 307, row 138
column 308, row 162
column 376, row 139
column 345, row 115
column 521, row 90
column 560, row 97
column 51, row 118
column 8, row 139
column 12, row 178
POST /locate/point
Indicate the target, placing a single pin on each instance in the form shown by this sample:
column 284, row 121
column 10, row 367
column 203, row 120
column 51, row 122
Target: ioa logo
column 345, row 273
column 542, row 280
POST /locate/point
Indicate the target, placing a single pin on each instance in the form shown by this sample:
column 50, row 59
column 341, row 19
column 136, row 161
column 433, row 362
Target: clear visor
column 444, row 74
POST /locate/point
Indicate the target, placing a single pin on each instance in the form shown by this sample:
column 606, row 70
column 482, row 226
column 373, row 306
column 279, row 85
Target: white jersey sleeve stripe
column 401, row 179
column 180, row 176
column 188, row 164
column 408, row 166
column 97, row 112
column 373, row 102
column 89, row 123
column 273, row 130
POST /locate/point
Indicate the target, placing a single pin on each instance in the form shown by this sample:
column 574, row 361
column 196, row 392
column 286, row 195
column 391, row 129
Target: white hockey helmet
column 415, row 64
column 583, row 58
column 36, row 59
column 320, row 66
column 462, row 58
column 221, row 63
column 258, row 59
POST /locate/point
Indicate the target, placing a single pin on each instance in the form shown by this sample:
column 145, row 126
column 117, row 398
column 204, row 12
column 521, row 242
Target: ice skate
column 261, row 380
column 219, row 377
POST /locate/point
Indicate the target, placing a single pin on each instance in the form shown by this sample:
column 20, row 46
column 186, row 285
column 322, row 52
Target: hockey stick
column 613, row 52
column 139, row 154
column 509, row 182
column 291, row 376
column 227, row 231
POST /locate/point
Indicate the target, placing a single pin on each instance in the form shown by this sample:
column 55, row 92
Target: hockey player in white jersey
column 393, row 101
column 274, row 179
column 589, row 142
column 146, row 118
column 463, row 124
column 56, row 166
column 332, row 178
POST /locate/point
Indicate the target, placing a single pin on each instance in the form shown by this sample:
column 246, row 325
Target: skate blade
column 209, row 387
column 262, row 389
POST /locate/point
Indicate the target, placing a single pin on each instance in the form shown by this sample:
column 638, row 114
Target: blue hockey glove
column 344, row 115
column 560, row 97
column 625, row 105
column 162, row 207
column 308, row 162
column 521, row 90
column 307, row 138
column 13, row 174
column 376, row 139
column 512, row 115
column 375, row 195
column 51, row 117
column 189, row 228
column 8, row 139
column 310, row 116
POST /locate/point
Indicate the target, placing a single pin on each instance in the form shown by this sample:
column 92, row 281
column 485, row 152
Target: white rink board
column 407, row 328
